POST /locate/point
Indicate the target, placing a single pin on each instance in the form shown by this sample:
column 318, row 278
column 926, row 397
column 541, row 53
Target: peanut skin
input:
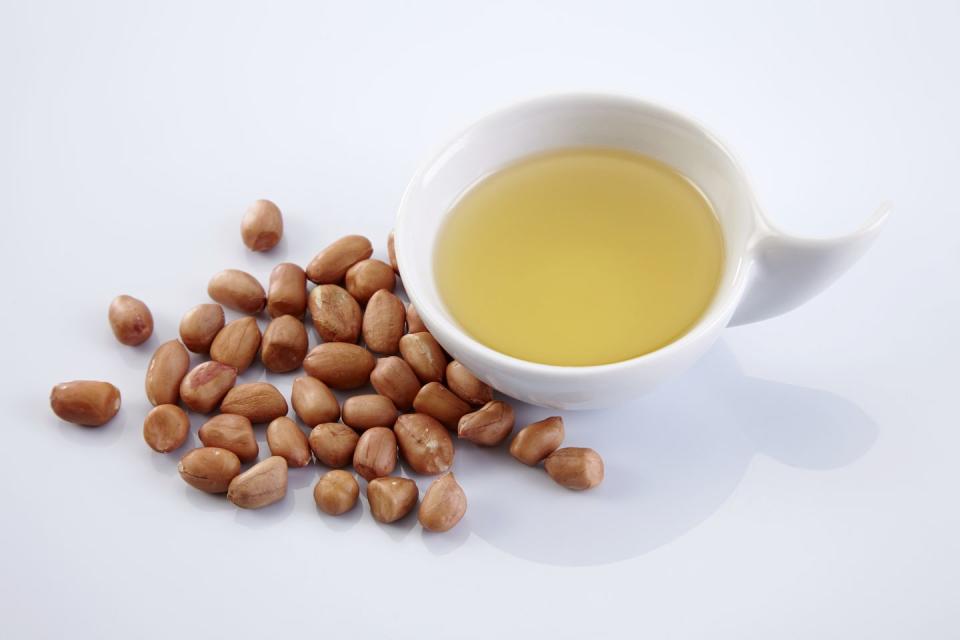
column 262, row 226
column 287, row 291
column 131, row 320
column 336, row 492
column 89, row 403
column 575, row 468
column 168, row 366
column 424, row 355
column 238, row 290
column 200, row 326
column 209, row 469
column 536, row 441
column 393, row 377
column 330, row 265
column 443, row 505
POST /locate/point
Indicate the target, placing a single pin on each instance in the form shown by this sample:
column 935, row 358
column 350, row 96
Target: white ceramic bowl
column 766, row 272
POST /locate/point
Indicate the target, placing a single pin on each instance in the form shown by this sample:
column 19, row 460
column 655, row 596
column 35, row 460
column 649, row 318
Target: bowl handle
column 787, row 270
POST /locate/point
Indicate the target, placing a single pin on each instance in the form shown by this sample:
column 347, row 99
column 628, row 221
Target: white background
column 801, row 482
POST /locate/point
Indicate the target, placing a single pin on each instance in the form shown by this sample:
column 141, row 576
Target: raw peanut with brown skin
column 392, row 252
column 209, row 469
column 414, row 323
column 237, row 343
column 89, row 403
column 330, row 265
column 383, row 322
column 285, row 439
column 391, row 498
column 340, row 365
column 575, row 468
column 393, row 378
column 258, row 401
column 333, row 444
column 437, row 401
column 204, row 386
column 489, row 425
column 369, row 276
column 336, row 492
column 284, row 344
column 368, row 411
column 467, row 386
column 262, row 484
column 336, row 315
column 200, row 326
column 313, row 401
column 131, row 320
column 424, row 443
column 287, row 291
column 262, row 226
column 166, row 428
column 443, row 504
column 238, row 290
column 231, row 432
column 536, row 441
column 424, row 356
column 170, row 362
column 376, row 453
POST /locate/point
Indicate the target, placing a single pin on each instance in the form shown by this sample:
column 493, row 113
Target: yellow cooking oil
column 579, row 256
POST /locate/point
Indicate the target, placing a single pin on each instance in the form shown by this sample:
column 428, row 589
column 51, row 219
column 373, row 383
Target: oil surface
column 581, row 256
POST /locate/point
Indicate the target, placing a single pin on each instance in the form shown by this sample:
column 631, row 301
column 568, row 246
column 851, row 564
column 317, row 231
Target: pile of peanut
column 420, row 396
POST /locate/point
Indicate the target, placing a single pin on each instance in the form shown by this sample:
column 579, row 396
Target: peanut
column 340, row 365
column 89, row 403
column 313, row 401
column 369, row 276
column 368, row 411
column 336, row 315
column 376, row 453
column 437, row 401
column 209, row 469
column 393, row 378
column 237, row 343
column 200, row 326
column 336, row 492
column 330, row 265
column 443, row 504
column 392, row 251
column 258, row 401
column 414, row 323
column 333, row 444
column 286, row 440
column 262, row 226
column 383, row 322
column 489, row 425
column 204, row 386
column 131, row 320
column 238, row 290
column 575, row 468
column 231, row 432
column 287, row 291
column 284, row 344
column 424, row 443
column 391, row 498
column 170, row 362
column 424, row 355
column 262, row 484
column 467, row 386
column 536, row 441
column 166, row 428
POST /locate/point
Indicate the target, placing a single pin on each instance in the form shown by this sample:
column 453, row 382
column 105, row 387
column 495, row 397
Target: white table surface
column 800, row 482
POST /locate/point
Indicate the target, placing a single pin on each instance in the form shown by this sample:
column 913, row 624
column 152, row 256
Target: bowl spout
column 787, row 271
